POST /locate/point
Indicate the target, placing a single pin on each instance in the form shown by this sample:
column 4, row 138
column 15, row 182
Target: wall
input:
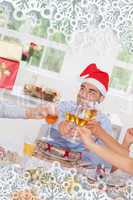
column 14, row 132
column 122, row 106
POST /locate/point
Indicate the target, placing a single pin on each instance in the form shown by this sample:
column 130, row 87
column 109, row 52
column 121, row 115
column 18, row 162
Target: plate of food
column 46, row 94
column 50, row 152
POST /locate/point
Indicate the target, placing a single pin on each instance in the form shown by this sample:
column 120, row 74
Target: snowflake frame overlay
column 54, row 183
column 68, row 16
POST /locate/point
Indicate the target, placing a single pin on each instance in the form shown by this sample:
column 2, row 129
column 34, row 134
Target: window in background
column 58, row 37
column 48, row 58
column 122, row 73
column 11, row 40
column 50, row 55
column 42, row 56
column 53, row 59
column 36, row 57
column 125, row 56
column 40, row 29
column 14, row 24
column 121, row 78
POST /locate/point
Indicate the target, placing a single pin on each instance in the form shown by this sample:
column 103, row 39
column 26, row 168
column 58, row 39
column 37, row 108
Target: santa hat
column 96, row 77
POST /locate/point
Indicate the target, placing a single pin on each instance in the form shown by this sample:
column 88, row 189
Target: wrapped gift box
column 8, row 72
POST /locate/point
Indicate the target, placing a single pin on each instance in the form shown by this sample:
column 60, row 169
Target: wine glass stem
column 49, row 131
column 75, row 135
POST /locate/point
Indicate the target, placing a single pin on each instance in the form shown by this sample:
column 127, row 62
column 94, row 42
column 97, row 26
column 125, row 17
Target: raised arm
column 109, row 141
column 15, row 111
column 120, row 161
column 128, row 139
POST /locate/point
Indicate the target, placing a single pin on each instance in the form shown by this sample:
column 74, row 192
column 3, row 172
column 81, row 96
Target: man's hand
column 36, row 113
column 128, row 139
column 67, row 128
column 41, row 112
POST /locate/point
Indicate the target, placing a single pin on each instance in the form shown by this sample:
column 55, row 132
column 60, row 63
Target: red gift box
column 8, row 72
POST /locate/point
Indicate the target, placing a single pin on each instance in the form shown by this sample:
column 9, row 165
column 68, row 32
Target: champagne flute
column 70, row 117
column 80, row 120
column 77, row 120
column 82, row 116
column 51, row 119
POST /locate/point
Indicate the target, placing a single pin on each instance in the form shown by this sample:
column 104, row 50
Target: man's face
column 88, row 93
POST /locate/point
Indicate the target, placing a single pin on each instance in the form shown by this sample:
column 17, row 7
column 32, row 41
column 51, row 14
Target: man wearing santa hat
column 92, row 89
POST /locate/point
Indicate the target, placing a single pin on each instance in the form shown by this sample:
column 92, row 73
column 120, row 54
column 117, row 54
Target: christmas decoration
column 8, row 72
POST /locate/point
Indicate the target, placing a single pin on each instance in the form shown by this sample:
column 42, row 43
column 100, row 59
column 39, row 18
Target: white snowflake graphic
column 68, row 16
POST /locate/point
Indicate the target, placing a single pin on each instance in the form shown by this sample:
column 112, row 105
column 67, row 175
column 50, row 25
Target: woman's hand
column 86, row 136
column 95, row 128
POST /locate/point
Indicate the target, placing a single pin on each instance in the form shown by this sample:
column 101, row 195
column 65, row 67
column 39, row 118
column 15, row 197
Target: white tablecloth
column 13, row 133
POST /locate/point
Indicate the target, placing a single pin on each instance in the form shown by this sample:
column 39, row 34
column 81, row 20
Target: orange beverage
column 51, row 119
column 80, row 121
column 29, row 149
column 70, row 117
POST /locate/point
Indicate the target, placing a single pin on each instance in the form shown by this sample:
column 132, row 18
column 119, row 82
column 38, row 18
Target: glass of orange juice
column 29, row 149
column 51, row 119
column 29, row 146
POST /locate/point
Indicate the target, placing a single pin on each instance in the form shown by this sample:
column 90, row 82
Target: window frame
column 4, row 31
column 126, row 66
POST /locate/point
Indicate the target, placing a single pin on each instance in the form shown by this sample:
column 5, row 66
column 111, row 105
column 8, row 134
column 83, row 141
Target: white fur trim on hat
column 98, row 84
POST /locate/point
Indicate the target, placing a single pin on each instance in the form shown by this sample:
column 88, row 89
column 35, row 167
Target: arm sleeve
column 11, row 111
